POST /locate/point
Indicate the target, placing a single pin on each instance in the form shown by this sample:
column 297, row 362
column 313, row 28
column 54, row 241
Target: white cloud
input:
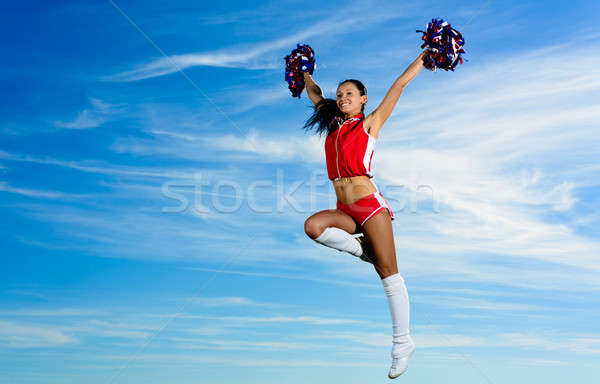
column 102, row 167
column 255, row 146
column 194, row 359
column 41, row 194
column 424, row 339
column 447, row 340
column 554, row 341
column 294, row 276
column 421, row 339
column 496, row 175
column 56, row 312
column 308, row 149
column 251, row 56
column 16, row 335
column 224, row 301
column 500, row 165
column 539, row 362
column 113, row 329
column 470, row 303
column 266, row 96
column 93, row 117
column 244, row 345
column 247, row 320
column 23, row 292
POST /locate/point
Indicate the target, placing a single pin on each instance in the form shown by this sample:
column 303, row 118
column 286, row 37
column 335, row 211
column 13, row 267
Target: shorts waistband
column 370, row 196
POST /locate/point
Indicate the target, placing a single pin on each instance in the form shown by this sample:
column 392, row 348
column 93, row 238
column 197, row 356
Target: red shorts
column 363, row 209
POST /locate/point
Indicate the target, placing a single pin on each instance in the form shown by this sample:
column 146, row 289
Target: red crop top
column 349, row 149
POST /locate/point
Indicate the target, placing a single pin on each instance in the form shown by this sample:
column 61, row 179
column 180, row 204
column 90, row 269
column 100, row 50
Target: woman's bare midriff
column 351, row 189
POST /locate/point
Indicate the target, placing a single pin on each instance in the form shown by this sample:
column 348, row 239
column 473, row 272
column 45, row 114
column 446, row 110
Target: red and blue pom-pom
column 444, row 45
column 302, row 59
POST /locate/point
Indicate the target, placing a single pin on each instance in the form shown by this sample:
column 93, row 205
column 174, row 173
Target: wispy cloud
column 540, row 362
column 537, row 340
column 250, row 56
column 577, row 343
column 422, row 340
column 245, row 345
column 101, row 167
column 23, row 292
column 57, row 312
column 36, row 193
column 293, row 276
column 266, row 97
column 225, row 301
column 111, row 328
column 506, row 146
column 99, row 113
column 495, row 176
column 17, row 335
column 194, row 359
column 470, row 303
column 265, row 320
column 256, row 145
column 117, row 232
column 308, row 149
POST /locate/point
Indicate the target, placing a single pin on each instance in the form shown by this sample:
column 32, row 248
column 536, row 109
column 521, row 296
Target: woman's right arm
column 312, row 89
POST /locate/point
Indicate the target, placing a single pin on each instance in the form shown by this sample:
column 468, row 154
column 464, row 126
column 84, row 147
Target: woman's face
column 349, row 99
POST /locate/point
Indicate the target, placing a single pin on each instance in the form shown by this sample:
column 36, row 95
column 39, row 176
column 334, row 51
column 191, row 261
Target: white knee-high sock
column 397, row 295
column 341, row 240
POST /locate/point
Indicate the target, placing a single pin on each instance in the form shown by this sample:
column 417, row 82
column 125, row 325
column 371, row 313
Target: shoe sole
column 400, row 374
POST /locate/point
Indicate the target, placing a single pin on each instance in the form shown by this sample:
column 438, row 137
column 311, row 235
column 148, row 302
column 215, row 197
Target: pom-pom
column 444, row 45
column 302, row 59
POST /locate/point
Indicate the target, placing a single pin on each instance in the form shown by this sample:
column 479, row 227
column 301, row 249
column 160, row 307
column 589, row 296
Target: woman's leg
column 334, row 228
column 381, row 235
column 379, row 230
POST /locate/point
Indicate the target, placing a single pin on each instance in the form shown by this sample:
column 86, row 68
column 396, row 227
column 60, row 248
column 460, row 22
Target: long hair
column 327, row 109
column 323, row 114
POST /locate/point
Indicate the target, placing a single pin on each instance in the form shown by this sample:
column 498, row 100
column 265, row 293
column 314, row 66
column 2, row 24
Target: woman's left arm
column 379, row 116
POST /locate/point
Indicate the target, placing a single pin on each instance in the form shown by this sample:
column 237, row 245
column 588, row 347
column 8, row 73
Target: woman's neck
column 349, row 115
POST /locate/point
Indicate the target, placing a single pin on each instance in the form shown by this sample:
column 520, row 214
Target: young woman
column 361, row 224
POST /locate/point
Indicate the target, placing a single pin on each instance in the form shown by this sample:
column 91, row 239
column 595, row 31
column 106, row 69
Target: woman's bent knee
column 312, row 228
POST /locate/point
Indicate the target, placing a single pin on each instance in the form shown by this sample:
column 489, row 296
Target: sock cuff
column 324, row 235
column 392, row 280
column 394, row 285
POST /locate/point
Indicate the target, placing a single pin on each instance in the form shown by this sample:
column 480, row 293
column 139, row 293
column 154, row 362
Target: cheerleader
column 361, row 224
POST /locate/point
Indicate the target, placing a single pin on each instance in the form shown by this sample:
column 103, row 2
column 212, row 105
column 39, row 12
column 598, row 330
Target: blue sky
column 152, row 219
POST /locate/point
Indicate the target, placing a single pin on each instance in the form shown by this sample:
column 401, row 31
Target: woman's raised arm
column 312, row 89
column 375, row 120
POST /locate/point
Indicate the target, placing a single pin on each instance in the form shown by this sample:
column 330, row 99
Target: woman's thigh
column 316, row 224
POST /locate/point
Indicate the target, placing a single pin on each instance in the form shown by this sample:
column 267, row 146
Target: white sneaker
column 400, row 364
column 365, row 244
